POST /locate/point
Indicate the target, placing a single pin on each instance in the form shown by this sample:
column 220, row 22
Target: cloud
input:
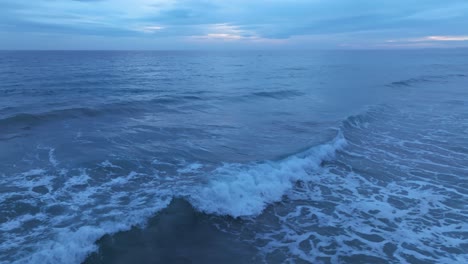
column 150, row 29
column 446, row 38
column 225, row 32
column 428, row 39
column 337, row 23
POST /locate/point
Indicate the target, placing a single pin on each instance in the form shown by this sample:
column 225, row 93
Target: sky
column 232, row 24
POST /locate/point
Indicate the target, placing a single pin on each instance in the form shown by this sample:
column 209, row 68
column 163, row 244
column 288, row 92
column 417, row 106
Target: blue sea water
column 234, row 157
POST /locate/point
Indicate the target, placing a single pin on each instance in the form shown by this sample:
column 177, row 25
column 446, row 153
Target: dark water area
column 234, row 157
column 177, row 234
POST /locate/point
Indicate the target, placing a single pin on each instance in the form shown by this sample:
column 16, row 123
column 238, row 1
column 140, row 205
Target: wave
column 74, row 245
column 233, row 189
column 236, row 190
column 162, row 104
column 56, row 114
column 29, row 119
column 245, row 190
column 74, row 88
column 424, row 79
column 282, row 94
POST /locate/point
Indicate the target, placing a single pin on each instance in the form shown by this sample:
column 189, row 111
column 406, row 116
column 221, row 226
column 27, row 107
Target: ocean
column 234, row 156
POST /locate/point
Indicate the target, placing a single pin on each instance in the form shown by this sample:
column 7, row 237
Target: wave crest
column 245, row 190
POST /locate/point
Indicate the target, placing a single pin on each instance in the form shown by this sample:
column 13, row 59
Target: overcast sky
column 232, row 24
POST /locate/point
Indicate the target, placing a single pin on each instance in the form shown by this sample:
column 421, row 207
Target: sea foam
column 245, row 190
column 237, row 190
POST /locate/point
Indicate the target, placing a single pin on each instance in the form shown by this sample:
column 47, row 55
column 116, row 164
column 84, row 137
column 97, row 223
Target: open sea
column 234, row 157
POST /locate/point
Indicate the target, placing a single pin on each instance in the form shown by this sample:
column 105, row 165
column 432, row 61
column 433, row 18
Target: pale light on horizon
column 447, row 38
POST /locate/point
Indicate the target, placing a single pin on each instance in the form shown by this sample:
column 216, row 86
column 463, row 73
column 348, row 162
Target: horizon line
column 272, row 49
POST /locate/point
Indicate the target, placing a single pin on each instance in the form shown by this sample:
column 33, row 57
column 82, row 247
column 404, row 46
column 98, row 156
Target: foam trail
column 245, row 190
column 74, row 245
column 234, row 189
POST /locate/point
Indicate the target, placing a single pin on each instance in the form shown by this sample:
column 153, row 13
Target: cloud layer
column 153, row 24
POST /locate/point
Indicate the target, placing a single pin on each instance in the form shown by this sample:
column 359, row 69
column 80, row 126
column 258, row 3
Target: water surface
column 234, row 157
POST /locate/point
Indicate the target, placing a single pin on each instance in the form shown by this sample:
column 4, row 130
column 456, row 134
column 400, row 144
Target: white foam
column 19, row 221
column 33, row 178
column 190, row 168
column 52, row 158
column 371, row 214
column 122, row 180
column 75, row 212
column 72, row 246
column 245, row 190
column 80, row 179
column 158, row 162
column 108, row 164
column 34, row 172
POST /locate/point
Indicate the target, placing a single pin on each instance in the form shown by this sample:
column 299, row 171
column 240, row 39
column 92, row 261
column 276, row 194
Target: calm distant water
column 234, row 157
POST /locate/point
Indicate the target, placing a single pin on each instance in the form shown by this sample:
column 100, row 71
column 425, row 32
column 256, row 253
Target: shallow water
column 234, row 157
